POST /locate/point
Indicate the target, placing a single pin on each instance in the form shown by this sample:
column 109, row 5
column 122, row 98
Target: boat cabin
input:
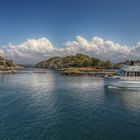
column 130, row 71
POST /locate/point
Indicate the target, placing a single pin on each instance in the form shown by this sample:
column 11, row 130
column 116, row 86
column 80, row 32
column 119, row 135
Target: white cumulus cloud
column 29, row 51
column 103, row 49
column 35, row 50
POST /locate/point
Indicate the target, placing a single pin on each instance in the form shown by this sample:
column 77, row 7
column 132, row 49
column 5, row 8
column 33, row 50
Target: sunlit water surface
column 49, row 106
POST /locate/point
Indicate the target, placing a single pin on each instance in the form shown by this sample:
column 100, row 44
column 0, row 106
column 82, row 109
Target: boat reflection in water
column 129, row 99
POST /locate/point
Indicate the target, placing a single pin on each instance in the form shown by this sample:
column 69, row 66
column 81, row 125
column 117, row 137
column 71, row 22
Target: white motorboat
column 129, row 77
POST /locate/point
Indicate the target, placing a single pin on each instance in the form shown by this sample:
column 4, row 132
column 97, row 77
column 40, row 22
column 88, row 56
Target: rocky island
column 7, row 66
column 80, row 65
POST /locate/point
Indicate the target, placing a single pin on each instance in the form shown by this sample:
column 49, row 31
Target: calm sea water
column 49, row 106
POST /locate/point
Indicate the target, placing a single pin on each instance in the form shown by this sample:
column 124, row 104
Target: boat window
column 123, row 73
column 131, row 73
column 137, row 73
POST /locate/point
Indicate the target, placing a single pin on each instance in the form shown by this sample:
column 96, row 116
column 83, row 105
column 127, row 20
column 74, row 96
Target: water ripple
column 55, row 107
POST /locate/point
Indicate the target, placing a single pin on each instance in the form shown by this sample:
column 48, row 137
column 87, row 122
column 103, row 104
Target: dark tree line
column 78, row 60
column 5, row 62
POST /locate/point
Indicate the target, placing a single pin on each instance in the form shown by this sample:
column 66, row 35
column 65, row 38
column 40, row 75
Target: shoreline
column 87, row 71
column 84, row 71
column 12, row 71
column 9, row 70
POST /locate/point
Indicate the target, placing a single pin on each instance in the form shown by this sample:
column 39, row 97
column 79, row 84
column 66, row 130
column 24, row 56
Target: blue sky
column 33, row 30
column 62, row 20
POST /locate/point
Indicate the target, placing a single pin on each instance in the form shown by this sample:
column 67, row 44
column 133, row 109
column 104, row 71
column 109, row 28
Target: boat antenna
column 132, row 62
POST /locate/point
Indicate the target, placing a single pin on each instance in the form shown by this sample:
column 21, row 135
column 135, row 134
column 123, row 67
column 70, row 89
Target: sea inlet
column 49, row 106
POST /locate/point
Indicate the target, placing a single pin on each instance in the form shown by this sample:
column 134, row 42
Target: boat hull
column 114, row 82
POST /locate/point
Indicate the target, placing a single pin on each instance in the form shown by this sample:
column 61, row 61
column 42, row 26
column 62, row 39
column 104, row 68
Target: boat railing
column 135, row 78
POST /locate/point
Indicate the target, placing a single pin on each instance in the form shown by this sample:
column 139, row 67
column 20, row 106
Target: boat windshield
column 122, row 73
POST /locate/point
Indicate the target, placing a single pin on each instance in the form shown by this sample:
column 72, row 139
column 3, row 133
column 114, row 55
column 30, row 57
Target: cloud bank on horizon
column 35, row 50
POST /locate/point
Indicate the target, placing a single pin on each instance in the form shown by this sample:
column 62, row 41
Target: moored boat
column 129, row 77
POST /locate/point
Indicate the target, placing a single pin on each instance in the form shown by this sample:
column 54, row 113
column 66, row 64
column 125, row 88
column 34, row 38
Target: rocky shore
column 90, row 71
column 8, row 71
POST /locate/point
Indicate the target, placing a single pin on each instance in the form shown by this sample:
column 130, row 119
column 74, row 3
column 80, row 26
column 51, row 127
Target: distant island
column 78, row 60
column 81, row 64
column 78, row 64
column 7, row 66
